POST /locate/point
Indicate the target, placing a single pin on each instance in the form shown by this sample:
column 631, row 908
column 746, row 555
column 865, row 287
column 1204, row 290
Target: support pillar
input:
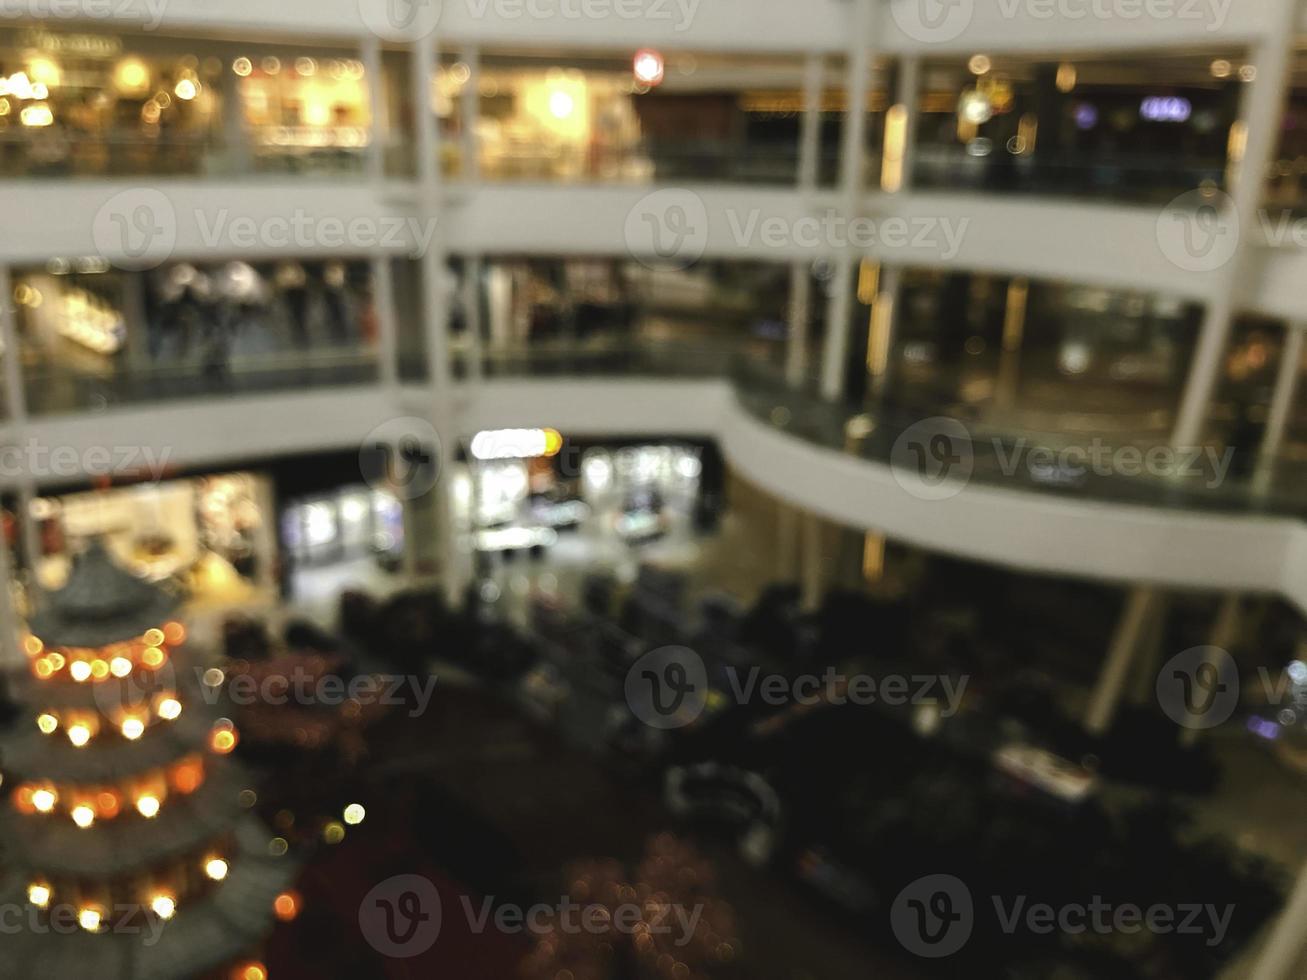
column 1120, row 654
column 839, row 308
column 1286, row 389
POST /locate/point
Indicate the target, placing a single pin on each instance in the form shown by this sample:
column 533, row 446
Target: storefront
column 209, row 533
column 92, row 103
column 524, row 489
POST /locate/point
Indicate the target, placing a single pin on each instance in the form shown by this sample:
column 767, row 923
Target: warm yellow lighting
column 44, row 800
column 163, row 905
column 354, row 814
column 152, row 657
column 242, row 67
column 223, row 741
column 1220, row 68
column 83, row 815
column 561, row 104
column 878, row 332
column 79, row 733
column 216, row 868
column 250, row 971
column 120, row 666
column 36, row 115
column 1027, row 132
column 1014, row 319
column 896, row 129
column 186, row 89
column 213, row 677
column 148, row 806
column 89, row 919
column 979, row 64
column 873, row 556
column 47, row 723
column 169, row 709
column 1066, row 77
column 333, row 833
column 131, row 77
column 153, row 637
column 868, row 281
column 80, row 671
column 133, row 728
column 38, row 894
column 33, row 646
column 43, row 71
column 306, row 67
column 57, row 660
column 99, row 669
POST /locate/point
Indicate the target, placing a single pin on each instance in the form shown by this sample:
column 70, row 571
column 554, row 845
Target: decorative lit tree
column 126, row 838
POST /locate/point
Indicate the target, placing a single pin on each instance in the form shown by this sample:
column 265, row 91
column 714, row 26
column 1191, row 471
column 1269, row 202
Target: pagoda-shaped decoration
column 125, row 836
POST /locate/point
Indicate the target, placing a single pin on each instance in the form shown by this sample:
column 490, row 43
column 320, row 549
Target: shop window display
column 209, row 533
column 1147, row 130
column 703, row 117
column 93, row 335
column 698, row 317
column 76, row 104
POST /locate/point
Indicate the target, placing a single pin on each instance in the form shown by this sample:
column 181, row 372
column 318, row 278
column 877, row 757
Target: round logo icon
column 933, row 459
column 1199, row 688
column 667, row 229
column 668, row 687
column 933, row 916
column 1199, row 231
column 401, row 916
column 932, row 21
column 400, row 20
column 401, row 455
column 135, row 229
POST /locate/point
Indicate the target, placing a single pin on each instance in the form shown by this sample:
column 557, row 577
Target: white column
column 1125, row 643
column 1261, row 107
column 812, row 559
column 472, row 312
column 796, row 353
column 1286, row 388
column 909, row 96
column 839, row 309
column 11, row 656
column 374, row 72
column 235, row 137
column 383, row 299
column 1288, row 940
column 469, row 103
column 15, row 397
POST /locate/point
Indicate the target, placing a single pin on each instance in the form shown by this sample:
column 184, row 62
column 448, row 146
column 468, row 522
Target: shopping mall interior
column 468, row 469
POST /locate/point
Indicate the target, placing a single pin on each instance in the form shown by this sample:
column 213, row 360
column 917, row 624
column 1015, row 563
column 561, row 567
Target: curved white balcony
column 993, row 518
